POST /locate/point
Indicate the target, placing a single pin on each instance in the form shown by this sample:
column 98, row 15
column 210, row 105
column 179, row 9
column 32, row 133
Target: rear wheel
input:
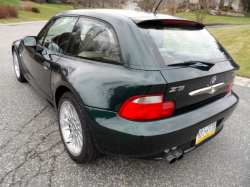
column 18, row 71
column 74, row 130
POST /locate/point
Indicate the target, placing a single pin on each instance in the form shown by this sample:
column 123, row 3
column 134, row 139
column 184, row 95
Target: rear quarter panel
column 106, row 86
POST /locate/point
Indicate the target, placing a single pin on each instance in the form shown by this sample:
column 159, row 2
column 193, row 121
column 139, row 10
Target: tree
column 175, row 6
column 103, row 1
column 147, row 5
column 188, row 4
column 51, row 1
column 113, row 2
column 84, row 3
column 171, row 5
column 229, row 4
column 90, row 3
column 245, row 5
column 221, row 3
column 74, row 3
column 201, row 9
column 40, row 1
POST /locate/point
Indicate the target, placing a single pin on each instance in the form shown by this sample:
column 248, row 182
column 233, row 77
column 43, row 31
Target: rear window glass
column 177, row 45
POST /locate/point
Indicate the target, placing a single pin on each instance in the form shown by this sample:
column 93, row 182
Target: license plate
column 205, row 132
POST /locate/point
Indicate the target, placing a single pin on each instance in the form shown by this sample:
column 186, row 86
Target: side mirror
column 30, row 41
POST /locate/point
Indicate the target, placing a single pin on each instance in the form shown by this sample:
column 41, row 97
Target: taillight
column 147, row 108
column 179, row 22
column 230, row 86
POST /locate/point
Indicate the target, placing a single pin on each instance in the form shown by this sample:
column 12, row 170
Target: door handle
column 46, row 65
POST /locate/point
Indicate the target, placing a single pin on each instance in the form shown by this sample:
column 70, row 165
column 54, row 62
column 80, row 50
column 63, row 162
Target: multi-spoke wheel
column 17, row 67
column 74, row 130
column 71, row 128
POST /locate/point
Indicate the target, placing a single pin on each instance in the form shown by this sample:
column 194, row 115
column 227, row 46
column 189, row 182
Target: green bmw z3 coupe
column 129, row 83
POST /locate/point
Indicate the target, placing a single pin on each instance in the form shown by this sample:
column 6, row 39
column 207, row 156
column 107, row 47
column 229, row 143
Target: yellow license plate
column 205, row 132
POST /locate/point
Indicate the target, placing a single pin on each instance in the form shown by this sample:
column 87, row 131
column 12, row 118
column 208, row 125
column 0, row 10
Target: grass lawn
column 47, row 11
column 236, row 40
column 14, row 3
column 215, row 19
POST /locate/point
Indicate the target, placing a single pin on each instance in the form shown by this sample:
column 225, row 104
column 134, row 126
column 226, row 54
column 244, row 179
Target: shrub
column 40, row 1
column 7, row 11
column 208, row 4
column 66, row 2
column 224, row 9
column 59, row 2
column 34, row 9
column 26, row 8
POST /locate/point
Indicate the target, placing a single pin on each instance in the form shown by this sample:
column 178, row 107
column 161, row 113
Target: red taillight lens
column 179, row 22
column 230, row 86
column 147, row 108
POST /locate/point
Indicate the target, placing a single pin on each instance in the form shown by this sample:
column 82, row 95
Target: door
column 52, row 43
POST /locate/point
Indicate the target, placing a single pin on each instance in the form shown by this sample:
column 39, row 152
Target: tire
column 70, row 130
column 17, row 68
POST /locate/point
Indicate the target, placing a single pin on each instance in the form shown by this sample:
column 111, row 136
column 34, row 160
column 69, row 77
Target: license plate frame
column 205, row 132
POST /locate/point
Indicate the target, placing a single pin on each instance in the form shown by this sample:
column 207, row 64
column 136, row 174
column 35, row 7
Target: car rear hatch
column 195, row 65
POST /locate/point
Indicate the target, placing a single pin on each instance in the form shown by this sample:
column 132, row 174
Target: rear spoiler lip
column 140, row 21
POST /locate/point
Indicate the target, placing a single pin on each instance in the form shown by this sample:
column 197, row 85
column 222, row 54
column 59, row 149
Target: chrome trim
column 210, row 89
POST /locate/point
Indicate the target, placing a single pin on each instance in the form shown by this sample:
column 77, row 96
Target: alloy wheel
column 16, row 65
column 71, row 128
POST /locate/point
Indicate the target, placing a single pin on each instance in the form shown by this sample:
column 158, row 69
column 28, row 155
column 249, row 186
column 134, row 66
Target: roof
column 136, row 16
column 131, row 40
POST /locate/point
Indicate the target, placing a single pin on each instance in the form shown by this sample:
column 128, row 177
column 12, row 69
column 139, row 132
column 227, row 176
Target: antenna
column 155, row 11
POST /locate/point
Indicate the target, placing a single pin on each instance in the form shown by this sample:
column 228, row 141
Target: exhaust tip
column 177, row 154
column 172, row 161
column 180, row 157
column 170, row 157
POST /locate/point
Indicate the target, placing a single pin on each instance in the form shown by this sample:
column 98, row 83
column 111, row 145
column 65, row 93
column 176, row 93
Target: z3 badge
column 179, row 88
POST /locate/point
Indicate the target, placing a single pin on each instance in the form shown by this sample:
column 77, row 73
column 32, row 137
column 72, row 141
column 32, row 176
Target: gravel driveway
column 32, row 153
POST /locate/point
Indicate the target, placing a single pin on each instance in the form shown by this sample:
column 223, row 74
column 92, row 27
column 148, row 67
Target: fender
column 16, row 45
column 19, row 48
column 57, row 82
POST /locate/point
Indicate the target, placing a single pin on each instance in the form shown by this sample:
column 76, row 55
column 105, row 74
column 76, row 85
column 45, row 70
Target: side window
column 59, row 33
column 94, row 40
column 42, row 34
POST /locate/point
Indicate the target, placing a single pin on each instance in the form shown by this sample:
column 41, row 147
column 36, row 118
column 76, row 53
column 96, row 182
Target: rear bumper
column 115, row 135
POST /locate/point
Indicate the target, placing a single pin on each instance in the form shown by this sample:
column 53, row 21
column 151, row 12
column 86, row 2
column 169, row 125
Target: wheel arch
column 15, row 45
column 63, row 88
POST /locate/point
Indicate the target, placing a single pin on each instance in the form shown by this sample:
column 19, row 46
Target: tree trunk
column 82, row 4
column 229, row 4
column 187, row 4
column 217, row 6
column 199, row 5
column 175, row 6
column 75, row 4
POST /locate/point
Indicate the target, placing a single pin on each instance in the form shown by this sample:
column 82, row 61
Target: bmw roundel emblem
column 213, row 80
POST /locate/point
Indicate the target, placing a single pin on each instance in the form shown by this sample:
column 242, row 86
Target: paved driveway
column 132, row 6
column 32, row 153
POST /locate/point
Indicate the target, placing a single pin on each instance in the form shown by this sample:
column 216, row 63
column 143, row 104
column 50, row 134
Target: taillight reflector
column 230, row 86
column 179, row 22
column 147, row 108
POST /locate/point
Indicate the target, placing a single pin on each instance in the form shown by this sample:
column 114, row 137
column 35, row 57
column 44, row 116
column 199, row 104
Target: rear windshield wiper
column 187, row 63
